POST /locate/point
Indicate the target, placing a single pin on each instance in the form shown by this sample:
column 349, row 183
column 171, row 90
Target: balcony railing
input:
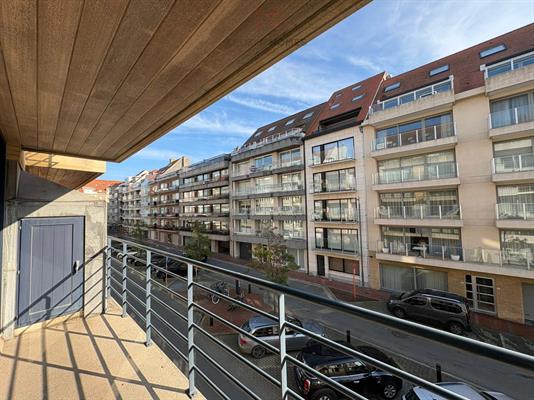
column 286, row 187
column 515, row 211
column 417, row 173
column 412, row 96
column 295, row 132
column 250, row 169
column 221, row 178
column 428, row 134
column 509, row 258
column 316, row 189
column 509, row 65
column 351, row 252
column 511, row 116
column 205, row 214
column 423, row 211
column 270, row 211
column 201, row 198
column 514, row 163
column 348, row 217
column 174, row 316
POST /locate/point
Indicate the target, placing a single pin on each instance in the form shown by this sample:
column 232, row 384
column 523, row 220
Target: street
column 414, row 354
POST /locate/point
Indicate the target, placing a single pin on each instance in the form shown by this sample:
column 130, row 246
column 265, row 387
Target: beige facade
column 484, row 249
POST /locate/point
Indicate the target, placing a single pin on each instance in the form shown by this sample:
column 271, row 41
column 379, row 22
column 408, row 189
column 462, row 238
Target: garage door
column 528, row 303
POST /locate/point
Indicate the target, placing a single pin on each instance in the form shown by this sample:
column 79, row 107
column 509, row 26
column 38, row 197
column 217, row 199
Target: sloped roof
column 358, row 96
column 463, row 65
column 99, row 185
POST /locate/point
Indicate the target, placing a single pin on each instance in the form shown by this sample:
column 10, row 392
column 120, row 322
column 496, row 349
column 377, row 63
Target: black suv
column 434, row 307
column 350, row 371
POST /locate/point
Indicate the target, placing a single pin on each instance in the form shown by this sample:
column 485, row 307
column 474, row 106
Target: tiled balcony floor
column 102, row 357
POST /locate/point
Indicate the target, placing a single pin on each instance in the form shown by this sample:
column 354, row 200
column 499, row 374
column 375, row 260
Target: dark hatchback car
column 434, row 307
column 349, row 371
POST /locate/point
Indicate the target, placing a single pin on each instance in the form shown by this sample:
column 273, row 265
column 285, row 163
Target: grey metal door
column 528, row 303
column 51, row 268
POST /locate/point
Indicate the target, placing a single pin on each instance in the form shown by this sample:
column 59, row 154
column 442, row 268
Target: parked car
column 434, row 307
column 173, row 266
column 461, row 388
column 347, row 370
column 266, row 329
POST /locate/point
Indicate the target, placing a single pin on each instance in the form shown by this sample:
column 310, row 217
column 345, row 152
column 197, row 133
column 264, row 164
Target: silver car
column 461, row 388
column 267, row 331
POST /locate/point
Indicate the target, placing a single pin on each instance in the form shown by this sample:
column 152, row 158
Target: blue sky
column 390, row 35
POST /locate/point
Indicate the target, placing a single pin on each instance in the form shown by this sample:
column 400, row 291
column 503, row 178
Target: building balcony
column 334, row 162
column 433, row 138
column 251, row 171
column 353, row 253
column 102, row 357
column 514, row 262
column 269, row 190
column 512, row 123
column 348, row 218
column 166, row 189
column 332, row 190
column 420, row 176
column 270, row 144
column 198, row 199
column 510, row 76
column 515, row 168
column 205, row 214
column 268, row 212
column 419, row 215
column 430, row 99
column 515, row 215
column 206, row 184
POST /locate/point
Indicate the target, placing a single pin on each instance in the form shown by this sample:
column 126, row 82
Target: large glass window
column 480, row 293
column 337, row 239
column 263, row 163
column 404, row 279
column 334, row 181
column 420, row 204
column 514, row 155
column 515, row 202
column 518, row 247
column 440, row 165
column 292, row 157
column 512, row 110
column 335, row 151
column 343, row 265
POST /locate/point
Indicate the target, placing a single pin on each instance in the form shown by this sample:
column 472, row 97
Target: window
column 492, row 50
column 511, row 111
column 358, row 97
column 334, row 151
column 355, row 367
column 258, row 133
column 333, row 181
column 343, row 265
column 446, row 306
column 272, row 128
column 334, row 106
column 263, row 163
column 292, row 157
column 308, row 115
column 480, row 293
column 517, row 247
column 404, row 279
column 337, row 239
column 416, row 301
column 290, row 121
column 439, row 70
column 391, row 87
column 354, row 88
column 269, row 331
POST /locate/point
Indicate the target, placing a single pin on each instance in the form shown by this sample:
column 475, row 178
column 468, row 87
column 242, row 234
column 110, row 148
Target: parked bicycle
column 220, row 287
column 239, row 297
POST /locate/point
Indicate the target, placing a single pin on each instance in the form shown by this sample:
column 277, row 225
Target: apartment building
column 267, row 181
column 337, row 240
column 130, row 203
column 164, row 201
column 204, row 198
column 113, row 212
column 449, row 171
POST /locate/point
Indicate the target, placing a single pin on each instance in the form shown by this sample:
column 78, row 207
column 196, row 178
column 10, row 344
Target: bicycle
column 221, row 287
column 240, row 297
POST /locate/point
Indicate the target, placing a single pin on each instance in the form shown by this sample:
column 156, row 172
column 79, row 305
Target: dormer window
column 354, row 88
column 439, row 70
column 492, row 50
column 359, row 97
column 308, row 115
column 272, row 128
column 258, row 133
column 290, row 121
column 334, row 106
column 391, row 87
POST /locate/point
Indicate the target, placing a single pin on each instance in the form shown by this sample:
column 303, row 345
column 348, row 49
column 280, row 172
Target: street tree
column 199, row 247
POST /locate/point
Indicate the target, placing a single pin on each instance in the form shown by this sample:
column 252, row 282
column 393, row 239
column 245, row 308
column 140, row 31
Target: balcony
column 419, row 176
column 435, row 138
column 206, row 183
column 510, row 76
column 269, row 144
column 420, row 215
column 515, row 168
column 323, row 189
column 269, row 190
column 337, row 252
column 103, row 357
column 205, row 214
column 250, row 171
column 268, row 212
column 513, row 262
column 515, row 215
column 348, row 218
column 434, row 98
column 198, row 199
column 512, row 123
column 334, row 161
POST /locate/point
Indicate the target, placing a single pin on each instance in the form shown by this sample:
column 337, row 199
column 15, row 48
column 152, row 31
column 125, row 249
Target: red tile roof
column 98, row 185
column 464, row 65
column 349, row 100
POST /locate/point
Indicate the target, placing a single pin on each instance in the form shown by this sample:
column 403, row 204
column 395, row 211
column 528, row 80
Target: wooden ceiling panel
column 102, row 79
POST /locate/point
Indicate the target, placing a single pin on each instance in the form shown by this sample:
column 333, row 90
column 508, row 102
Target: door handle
column 76, row 266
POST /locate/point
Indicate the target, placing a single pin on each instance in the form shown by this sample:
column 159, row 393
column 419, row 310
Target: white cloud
column 261, row 104
column 156, row 154
column 216, row 123
column 365, row 63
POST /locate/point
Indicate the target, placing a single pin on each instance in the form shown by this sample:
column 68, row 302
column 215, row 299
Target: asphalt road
column 415, row 354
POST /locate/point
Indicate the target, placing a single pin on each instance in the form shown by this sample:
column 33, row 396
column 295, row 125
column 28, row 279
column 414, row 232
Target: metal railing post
column 190, row 331
column 124, row 277
column 148, row 305
column 282, row 334
column 108, row 269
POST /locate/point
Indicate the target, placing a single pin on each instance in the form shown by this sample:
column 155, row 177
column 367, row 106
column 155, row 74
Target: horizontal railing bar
column 237, row 328
column 130, row 294
column 467, row 344
column 226, row 373
column 132, row 257
column 138, row 313
column 236, row 301
column 173, row 310
column 138, row 286
column 377, row 363
column 170, row 326
column 329, row 381
column 181, row 297
column 212, row 384
column 180, row 353
column 115, row 259
column 168, row 272
column 115, row 280
column 295, row 394
column 116, row 291
column 239, row 356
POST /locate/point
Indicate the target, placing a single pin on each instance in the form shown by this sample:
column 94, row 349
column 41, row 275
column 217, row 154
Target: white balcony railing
column 514, row 163
column 286, row 187
column 350, row 252
column 350, row 216
column 270, row 211
column 511, row 116
column 250, row 168
column 294, row 132
column 427, row 134
column 417, row 173
column 509, row 258
column 414, row 95
column 423, row 211
column 509, row 65
column 515, row 211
